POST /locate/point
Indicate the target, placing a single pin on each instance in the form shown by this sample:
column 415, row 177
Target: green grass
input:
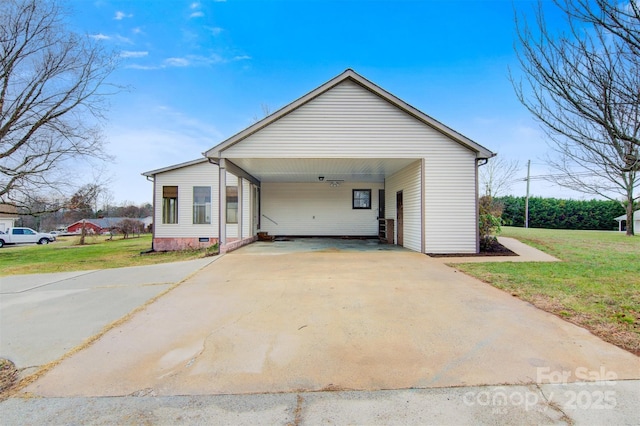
column 597, row 284
column 100, row 253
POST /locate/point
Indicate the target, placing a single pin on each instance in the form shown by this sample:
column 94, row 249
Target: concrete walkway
column 43, row 316
column 525, row 253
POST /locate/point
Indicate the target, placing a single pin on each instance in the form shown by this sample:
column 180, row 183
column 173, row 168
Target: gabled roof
column 175, row 166
column 106, row 222
column 351, row 75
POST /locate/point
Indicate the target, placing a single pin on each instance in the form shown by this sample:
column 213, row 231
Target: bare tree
column 583, row 86
column 52, row 95
column 266, row 111
column 620, row 19
column 497, row 176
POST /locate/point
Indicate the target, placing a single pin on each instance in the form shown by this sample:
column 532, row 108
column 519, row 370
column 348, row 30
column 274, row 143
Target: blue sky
column 200, row 71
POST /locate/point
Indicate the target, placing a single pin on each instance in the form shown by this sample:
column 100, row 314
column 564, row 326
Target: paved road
column 43, row 316
column 568, row 404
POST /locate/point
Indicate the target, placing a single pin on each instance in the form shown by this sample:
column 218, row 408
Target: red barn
column 96, row 226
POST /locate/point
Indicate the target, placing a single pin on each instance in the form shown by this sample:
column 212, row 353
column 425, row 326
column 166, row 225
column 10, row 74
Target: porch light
column 320, row 178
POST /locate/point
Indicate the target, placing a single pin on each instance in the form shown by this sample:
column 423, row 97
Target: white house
column 346, row 159
column 622, row 222
column 8, row 216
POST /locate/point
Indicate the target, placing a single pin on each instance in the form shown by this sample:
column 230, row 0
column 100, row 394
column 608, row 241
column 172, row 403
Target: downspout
column 222, row 199
column 423, row 232
column 479, row 162
column 153, row 224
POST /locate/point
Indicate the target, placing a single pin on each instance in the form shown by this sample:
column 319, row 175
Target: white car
column 22, row 235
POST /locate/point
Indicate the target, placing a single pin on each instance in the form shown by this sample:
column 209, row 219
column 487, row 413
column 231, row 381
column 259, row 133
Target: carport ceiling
column 310, row 169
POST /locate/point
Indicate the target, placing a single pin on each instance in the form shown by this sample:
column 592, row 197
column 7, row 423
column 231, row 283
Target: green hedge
column 554, row 213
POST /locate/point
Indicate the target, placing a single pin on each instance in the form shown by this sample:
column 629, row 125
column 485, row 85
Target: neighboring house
column 332, row 163
column 97, row 226
column 622, row 222
column 148, row 221
column 8, row 217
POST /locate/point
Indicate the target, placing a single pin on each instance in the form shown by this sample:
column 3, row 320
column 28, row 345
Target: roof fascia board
column 481, row 151
column 174, row 167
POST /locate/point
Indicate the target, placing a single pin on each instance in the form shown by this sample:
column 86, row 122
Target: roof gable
column 351, row 76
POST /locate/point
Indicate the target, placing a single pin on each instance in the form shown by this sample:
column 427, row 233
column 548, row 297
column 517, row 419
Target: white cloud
column 137, row 30
column 194, row 5
column 197, row 14
column 142, row 67
column 121, row 15
column 177, row 62
column 100, row 36
column 133, row 54
column 214, row 30
column 185, row 61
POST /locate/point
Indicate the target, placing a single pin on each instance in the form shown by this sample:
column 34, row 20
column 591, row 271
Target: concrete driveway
column 329, row 320
column 44, row 316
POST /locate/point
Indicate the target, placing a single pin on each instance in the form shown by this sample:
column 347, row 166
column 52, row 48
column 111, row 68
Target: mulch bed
column 496, row 249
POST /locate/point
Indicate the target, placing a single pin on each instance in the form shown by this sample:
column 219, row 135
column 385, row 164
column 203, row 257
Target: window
column 362, row 199
column 201, row 204
column 232, row 204
column 169, row 204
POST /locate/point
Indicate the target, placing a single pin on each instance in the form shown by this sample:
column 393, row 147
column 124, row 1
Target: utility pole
column 526, row 204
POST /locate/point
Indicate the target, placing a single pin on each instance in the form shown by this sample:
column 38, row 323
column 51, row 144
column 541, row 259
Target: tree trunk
column 83, row 233
column 629, row 208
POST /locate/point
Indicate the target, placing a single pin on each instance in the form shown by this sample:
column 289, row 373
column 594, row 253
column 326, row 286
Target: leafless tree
column 52, row 98
column 583, row 86
column 620, row 19
column 497, row 176
column 266, row 111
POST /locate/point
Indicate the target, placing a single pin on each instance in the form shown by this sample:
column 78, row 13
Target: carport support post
column 222, row 195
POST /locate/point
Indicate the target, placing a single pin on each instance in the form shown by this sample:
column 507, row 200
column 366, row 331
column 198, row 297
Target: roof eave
column 174, row 167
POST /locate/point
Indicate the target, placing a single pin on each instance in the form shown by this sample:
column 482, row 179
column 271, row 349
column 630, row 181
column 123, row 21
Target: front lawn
column 597, row 284
column 100, row 253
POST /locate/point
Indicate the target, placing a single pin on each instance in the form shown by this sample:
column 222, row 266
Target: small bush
column 490, row 218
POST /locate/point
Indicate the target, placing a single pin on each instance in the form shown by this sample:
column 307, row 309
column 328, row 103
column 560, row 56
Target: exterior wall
column 185, row 178
column 6, row 223
column 90, row 227
column 317, row 209
column 408, row 181
column 246, row 208
column 232, row 228
column 450, row 201
column 347, row 121
column 172, row 244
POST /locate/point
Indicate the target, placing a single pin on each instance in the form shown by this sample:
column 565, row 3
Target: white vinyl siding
column 450, row 202
column 347, row 121
column 185, row 178
column 408, row 181
column 246, row 208
column 232, row 228
column 317, row 209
